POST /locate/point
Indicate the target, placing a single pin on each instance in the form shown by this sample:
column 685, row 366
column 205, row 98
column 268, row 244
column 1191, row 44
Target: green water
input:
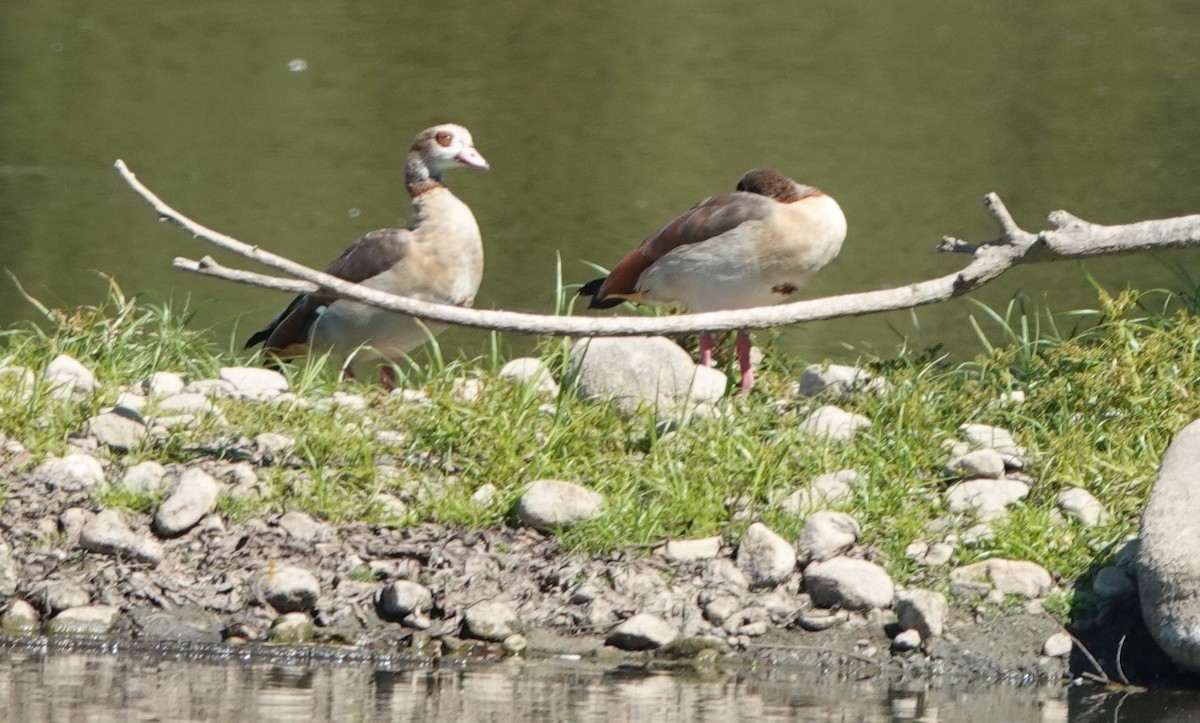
column 601, row 121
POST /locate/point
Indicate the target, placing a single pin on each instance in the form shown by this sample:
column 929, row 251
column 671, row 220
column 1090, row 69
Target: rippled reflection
column 129, row 686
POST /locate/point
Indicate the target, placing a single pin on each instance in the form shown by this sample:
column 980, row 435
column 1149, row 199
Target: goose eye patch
column 443, row 139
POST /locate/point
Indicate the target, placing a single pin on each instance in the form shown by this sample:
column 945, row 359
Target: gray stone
column 186, row 625
column 72, row 472
column 1008, row 577
column 826, row 535
column 213, row 388
column 922, row 610
column 1078, row 503
column 709, row 385
column 837, row 381
column 108, row 534
column 985, row 463
column 131, row 400
column 725, row 572
column 823, row 490
column 490, row 620
column 10, row 573
column 997, row 438
column 978, row 534
column 393, row 507
column 765, row 557
column 19, row 379
column 68, row 377
column 1112, row 583
column 346, row 400
column 533, row 373
column 632, row 372
column 20, row 618
column 193, row 496
column 987, row 498
column 290, row 589
column 940, row 553
column 907, row 641
column 144, row 478
column 848, row 583
column 120, row 429
column 514, row 644
column 817, row 619
column 300, row 526
column 187, row 403
column 551, row 504
column 406, row 601
column 720, row 607
column 292, row 628
column 1058, row 645
column 163, row 384
column 642, row 632
column 71, row 522
column 833, row 424
column 705, row 548
column 254, row 379
column 1168, row 568
column 274, row 444
column 85, row 621
column 54, row 597
column 485, row 494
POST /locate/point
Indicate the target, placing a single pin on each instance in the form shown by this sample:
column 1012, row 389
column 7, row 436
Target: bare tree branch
column 1071, row 238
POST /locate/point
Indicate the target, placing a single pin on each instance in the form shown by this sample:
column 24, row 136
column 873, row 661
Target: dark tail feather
column 591, row 288
column 258, row 338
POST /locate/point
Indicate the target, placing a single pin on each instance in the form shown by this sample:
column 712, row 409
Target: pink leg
column 706, row 349
column 387, row 376
column 743, row 355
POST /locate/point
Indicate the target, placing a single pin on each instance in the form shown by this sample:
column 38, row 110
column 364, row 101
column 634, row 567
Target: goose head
column 771, row 184
column 445, row 146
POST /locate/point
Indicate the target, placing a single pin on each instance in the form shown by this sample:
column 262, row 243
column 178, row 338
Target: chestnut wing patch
column 708, row 219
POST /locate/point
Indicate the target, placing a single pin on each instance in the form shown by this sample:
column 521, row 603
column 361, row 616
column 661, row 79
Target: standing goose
column 753, row 247
column 437, row 258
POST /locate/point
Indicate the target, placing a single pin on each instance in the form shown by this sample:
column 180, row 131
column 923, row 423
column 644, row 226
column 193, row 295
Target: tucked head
column 445, row 146
column 773, row 184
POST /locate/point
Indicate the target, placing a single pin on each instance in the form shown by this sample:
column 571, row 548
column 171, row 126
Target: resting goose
column 437, row 258
column 753, row 247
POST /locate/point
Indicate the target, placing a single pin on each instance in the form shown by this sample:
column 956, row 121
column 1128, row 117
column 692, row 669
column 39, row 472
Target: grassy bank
column 1101, row 406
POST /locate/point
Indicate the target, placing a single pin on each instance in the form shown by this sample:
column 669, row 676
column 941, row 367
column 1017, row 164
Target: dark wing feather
column 708, row 219
column 369, row 256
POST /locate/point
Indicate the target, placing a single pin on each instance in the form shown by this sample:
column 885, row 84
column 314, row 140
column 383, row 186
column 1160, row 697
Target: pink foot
column 706, row 349
column 743, row 355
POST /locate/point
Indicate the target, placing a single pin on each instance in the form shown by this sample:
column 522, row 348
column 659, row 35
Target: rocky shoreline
column 184, row 573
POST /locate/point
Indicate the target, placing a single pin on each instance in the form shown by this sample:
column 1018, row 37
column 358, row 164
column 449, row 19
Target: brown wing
column 708, row 219
column 369, row 256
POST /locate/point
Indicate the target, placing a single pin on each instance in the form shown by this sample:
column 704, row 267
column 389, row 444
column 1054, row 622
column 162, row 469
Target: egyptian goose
column 437, row 258
column 753, row 247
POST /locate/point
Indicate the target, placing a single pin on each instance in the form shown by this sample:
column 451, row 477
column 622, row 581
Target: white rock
column 120, row 429
column 72, row 521
column 347, row 400
column 988, row 498
column 292, row 628
column 765, row 557
column 485, row 494
column 837, row 381
column 833, row 424
column 290, row 589
column 408, row 601
column 1058, row 645
column 88, row 620
column 466, row 390
column 532, row 372
column 978, row 534
column 187, row 403
column 550, row 504
column 1008, row 577
column 210, row 388
column 907, row 640
column 72, row 472
column 67, row 374
column 131, row 401
column 392, row 505
column 254, row 379
column 1168, row 568
column 1112, row 583
column 848, row 583
column 642, row 632
column 1081, row 505
column 300, row 526
column 709, row 385
column 274, row 444
column 724, row 572
column 490, row 620
column 922, row 610
column 163, row 384
column 826, row 535
column 705, row 548
column 939, row 554
column 986, row 463
column 997, row 438
column 108, row 534
column 632, row 372
column 54, row 597
column 19, row 379
column 823, row 490
column 19, row 619
column 193, row 496
column 10, row 573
